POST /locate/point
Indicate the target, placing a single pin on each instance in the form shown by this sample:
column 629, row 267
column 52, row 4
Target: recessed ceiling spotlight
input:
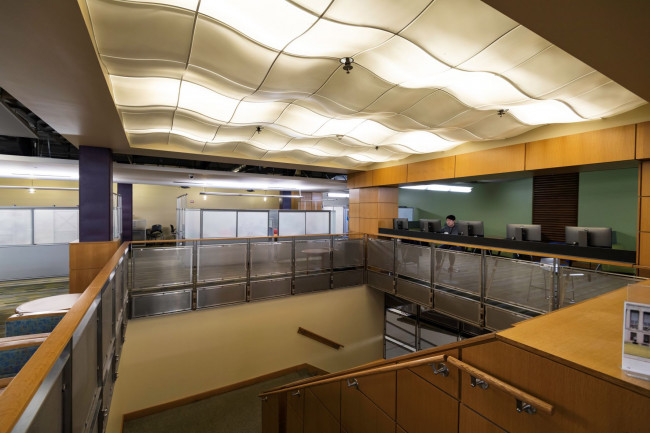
column 502, row 112
column 347, row 63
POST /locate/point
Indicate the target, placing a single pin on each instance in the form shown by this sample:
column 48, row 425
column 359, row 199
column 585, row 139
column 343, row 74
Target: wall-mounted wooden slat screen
column 555, row 204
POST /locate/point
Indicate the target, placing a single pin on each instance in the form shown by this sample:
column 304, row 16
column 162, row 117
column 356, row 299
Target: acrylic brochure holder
column 636, row 332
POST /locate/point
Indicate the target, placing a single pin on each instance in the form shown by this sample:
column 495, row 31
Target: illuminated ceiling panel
column 201, row 77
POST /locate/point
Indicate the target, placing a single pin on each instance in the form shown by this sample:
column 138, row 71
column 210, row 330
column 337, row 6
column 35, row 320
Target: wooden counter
column 587, row 336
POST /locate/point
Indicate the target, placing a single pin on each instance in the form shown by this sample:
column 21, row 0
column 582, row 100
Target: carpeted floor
column 14, row 293
column 239, row 411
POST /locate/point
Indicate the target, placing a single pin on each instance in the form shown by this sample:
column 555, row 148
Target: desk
column 316, row 252
column 50, row 303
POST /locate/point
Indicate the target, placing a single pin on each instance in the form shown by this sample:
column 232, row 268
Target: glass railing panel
column 270, row 258
column 153, row 267
column 458, row 270
column 381, row 254
column 414, row 261
column 578, row 284
column 221, row 262
column 312, row 255
column 520, row 283
column 348, row 253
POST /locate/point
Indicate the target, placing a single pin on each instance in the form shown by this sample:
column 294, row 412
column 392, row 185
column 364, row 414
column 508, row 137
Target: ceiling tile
column 384, row 14
column 456, row 30
column 354, row 91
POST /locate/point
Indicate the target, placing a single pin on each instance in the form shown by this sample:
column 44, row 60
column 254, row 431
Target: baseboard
column 207, row 394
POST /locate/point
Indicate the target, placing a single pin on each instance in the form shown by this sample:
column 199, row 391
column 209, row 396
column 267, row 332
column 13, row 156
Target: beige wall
column 22, row 197
column 157, row 203
column 169, row 357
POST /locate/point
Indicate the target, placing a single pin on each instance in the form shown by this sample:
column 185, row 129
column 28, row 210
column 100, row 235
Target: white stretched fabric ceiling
column 202, row 76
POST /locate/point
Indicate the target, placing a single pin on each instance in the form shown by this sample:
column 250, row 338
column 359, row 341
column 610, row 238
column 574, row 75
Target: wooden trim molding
column 222, row 390
column 320, row 338
column 643, row 140
column 492, row 161
column 433, row 169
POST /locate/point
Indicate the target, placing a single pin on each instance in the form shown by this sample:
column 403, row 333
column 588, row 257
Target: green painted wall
column 496, row 204
column 609, row 199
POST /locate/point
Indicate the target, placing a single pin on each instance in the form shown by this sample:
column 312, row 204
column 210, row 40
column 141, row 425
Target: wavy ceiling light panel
column 202, row 76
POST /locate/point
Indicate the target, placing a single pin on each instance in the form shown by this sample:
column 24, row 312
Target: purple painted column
column 125, row 190
column 95, row 194
column 286, row 202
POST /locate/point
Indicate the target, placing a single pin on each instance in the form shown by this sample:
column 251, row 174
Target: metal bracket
column 352, row 383
column 440, row 368
column 474, row 381
column 522, row 406
column 296, row 394
column 265, row 398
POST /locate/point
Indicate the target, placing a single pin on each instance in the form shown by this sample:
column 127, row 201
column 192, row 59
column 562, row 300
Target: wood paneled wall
column 621, row 143
column 311, row 201
column 86, row 260
column 643, row 240
column 371, row 208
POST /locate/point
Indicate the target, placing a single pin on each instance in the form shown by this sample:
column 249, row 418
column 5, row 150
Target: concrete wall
column 170, row 357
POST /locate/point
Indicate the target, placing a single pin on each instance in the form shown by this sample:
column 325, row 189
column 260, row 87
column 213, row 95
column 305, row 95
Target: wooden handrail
column 344, row 376
column 518, row 394
column 510, row 250
column 23, row 387
column 319, row 338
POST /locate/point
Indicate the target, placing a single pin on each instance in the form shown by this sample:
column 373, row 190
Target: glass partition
column 56, row 226
column 221, row 262
column 348, row 253
column 381, row 254
column 414, row 261
column 317, row 223
column 312, row 255
column 458, row 270
column 521, row 283
column 271, row 258
column 155, row 267
column 291, row 223
column 578, row 284
column 219, row 224
column 252, row 224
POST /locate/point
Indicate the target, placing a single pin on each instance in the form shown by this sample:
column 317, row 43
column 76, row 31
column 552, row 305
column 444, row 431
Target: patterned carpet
column 14, row 293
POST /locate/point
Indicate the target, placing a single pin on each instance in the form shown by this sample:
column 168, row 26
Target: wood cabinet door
column 471, row 422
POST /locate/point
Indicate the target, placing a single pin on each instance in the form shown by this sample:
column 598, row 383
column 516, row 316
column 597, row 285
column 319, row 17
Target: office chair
column 156, row 231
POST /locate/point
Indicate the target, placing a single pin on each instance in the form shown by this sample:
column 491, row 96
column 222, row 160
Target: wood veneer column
column 643, row 238
column 372, row 208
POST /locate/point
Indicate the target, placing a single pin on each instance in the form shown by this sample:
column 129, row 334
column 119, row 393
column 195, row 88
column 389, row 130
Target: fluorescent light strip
column 439, row 187
column 39, row 187
column 338, row 194
column 243, row 194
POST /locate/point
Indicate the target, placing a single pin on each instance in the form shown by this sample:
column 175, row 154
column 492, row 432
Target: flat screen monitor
column 430, row 225
column 524, row 232
column 470, row 228
column 588, row 236
column 400, row 224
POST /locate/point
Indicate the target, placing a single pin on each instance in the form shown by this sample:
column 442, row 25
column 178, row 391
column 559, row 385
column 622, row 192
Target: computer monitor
column 430, row 225
column 400, row 224
column 470, row 228
column 524, row 232
column 588, row 236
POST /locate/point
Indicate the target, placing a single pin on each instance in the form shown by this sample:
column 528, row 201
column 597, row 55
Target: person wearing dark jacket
column 449, row 229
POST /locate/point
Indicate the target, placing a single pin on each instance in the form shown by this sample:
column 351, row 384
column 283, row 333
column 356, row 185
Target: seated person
column 450, row 229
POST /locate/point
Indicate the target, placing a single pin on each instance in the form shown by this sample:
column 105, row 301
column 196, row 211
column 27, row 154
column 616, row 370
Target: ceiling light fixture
column 243, row 194
column 347, row 64
column 258, row 129
column 34, row 188
column 338, row 195
column 439, row 187
column 502, row 112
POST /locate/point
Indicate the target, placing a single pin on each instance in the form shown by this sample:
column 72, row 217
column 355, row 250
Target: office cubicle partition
column 34, row 241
